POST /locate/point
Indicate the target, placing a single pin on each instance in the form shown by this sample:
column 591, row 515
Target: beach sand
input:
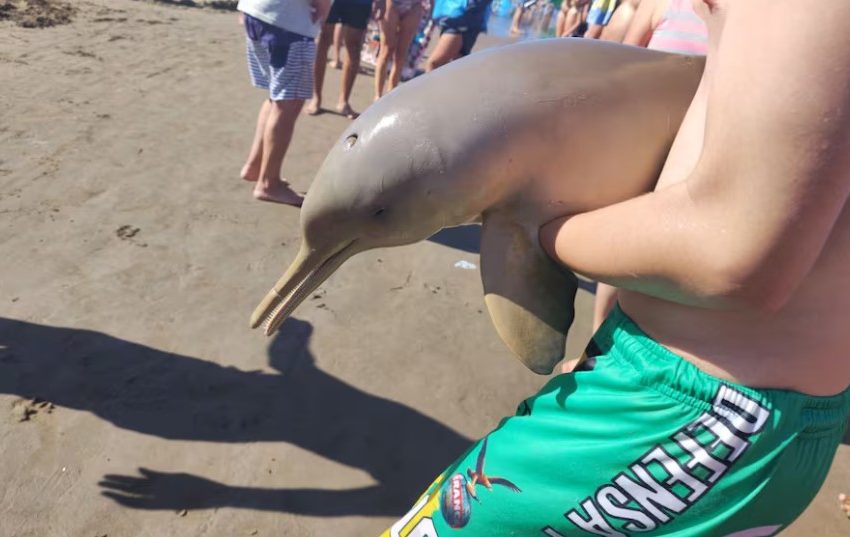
column 135, row 400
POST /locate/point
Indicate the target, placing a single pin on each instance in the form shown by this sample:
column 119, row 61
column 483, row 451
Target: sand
column 134, row 400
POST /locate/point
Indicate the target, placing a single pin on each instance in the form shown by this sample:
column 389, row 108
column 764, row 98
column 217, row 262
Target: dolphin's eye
column 379, row 212
column 350, row 141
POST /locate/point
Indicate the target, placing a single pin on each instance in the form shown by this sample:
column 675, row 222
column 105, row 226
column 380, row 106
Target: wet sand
column 136, row 401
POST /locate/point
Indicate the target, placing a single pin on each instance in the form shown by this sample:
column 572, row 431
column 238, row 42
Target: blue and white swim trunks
column 279, row 60
column 601, row 12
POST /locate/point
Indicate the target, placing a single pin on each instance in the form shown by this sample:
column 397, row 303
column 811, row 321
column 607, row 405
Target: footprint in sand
column 26, row 409
column 128, row 233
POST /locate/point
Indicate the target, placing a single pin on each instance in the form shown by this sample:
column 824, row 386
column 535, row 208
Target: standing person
column 398, row 26
column 281, row 49
column 458, row 32
column 599, row 16
column 571, row 17
column 353, row 16
column 715, row 395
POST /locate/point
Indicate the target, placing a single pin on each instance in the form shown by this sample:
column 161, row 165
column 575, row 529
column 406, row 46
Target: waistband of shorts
column 659, row 368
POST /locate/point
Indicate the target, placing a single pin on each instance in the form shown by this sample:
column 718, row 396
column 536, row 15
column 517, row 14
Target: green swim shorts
column 638, row 442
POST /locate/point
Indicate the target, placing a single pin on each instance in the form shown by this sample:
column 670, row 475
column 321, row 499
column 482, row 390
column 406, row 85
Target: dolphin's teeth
column 267, row 322
column 285, row 305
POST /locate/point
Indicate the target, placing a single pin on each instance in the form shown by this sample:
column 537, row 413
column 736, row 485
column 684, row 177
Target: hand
column 159, row 490
column 378, row 10
column 320, row 10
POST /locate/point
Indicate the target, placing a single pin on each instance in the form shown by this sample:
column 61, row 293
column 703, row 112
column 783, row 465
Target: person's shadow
column 178, row 397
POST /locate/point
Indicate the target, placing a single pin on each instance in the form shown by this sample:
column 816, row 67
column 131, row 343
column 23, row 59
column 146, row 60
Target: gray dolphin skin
column 517, row 135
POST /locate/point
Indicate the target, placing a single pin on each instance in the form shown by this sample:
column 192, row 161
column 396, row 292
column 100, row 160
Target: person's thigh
column 407, row 27
column 353, row 40
column 326, row 37
column 447, row 49
column 389, row 29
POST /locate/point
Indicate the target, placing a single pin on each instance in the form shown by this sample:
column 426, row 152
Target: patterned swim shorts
column 280, row 61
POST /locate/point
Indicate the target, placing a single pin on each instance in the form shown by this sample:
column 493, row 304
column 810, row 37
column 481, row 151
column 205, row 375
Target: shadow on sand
column 468, row 239
column 178, row 397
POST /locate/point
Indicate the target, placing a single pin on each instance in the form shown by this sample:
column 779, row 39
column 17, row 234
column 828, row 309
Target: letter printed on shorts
column 650, row 494
column 701, row 457
column 742, row 413
column 606, row 498
column 595, row 523
column 725, row 435
column 677, row 473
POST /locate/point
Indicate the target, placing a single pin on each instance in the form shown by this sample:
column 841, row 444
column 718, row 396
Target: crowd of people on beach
column 288, row 43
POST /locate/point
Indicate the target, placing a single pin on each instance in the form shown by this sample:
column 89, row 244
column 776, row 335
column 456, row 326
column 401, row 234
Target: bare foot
column 250, row 172
column 314, row 107
column 278, row 192
column 347, row 111
column 845, row 504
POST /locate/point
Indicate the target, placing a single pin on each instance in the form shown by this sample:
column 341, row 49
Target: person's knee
column 326, row 36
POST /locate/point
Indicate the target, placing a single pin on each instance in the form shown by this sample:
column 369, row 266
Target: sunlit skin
column 740, row 260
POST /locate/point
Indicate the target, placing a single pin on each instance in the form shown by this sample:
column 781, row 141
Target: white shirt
column 291, row 15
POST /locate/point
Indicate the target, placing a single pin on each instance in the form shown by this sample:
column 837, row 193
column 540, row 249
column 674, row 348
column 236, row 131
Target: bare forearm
column 650, row 244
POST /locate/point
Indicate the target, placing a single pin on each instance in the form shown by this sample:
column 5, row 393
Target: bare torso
column 805, row 346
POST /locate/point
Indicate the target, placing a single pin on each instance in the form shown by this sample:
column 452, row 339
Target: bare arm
column 748, row 224
column 641, row 26
column 320, row 10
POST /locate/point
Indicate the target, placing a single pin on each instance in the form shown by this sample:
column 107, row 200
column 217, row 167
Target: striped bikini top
column 680, row 30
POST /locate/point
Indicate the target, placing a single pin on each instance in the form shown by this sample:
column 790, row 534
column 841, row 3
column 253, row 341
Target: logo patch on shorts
column 455, row 501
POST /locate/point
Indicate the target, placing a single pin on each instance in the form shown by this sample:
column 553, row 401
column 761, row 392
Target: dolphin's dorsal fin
column 530, row 298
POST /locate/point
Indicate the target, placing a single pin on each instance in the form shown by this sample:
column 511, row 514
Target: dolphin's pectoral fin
column 530, row 298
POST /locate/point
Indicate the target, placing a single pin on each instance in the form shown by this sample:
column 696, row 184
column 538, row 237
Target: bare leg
column 353, row 40
column 594, row 31
column 251, row 169
column 560, row 22
column 406, row 30
column 338, row 30
column 322, row 45
column 620, row 20
column 517, row 19
column 276, row 138
column 389, row 37
column 606, row 297
column 447, row 49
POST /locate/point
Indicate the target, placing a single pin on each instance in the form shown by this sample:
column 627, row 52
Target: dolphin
column 517, row 136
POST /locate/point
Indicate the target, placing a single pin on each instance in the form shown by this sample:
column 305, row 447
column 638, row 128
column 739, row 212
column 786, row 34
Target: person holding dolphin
column 281, row 50
column 713, row 398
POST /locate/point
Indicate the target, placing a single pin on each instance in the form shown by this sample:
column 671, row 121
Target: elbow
column 747, row 287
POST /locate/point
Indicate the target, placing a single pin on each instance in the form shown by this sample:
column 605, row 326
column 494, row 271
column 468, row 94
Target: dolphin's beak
column 305, row 274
